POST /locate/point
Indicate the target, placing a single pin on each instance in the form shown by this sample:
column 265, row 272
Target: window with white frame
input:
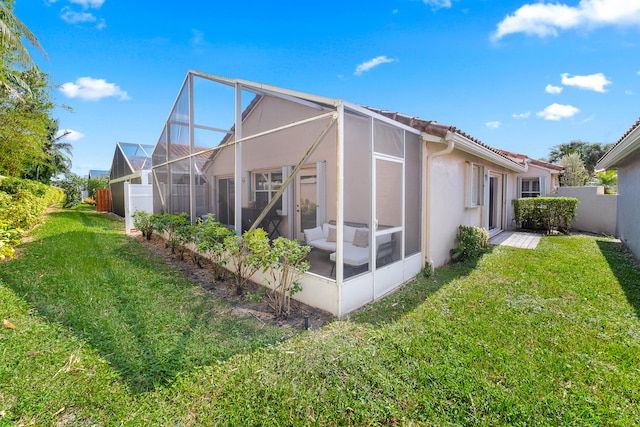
column 265, row 185
column 532, row 187
column 474, row 186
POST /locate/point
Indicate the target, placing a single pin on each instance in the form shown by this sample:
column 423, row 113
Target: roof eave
column 620, row 151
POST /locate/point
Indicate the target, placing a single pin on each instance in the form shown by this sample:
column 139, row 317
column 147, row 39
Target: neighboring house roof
column 96, row 173
column 522, row 158
column 474, row 146
column 137, row 155
column 628, row 144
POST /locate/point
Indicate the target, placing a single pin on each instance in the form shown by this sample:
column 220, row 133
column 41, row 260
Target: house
column 625, row 157
column 97, row 173
column 131, row 165
column 378, row 194
column 540, row 179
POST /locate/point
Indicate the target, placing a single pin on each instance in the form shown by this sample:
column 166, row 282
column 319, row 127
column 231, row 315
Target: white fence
column 596, row 213
column 137, row 197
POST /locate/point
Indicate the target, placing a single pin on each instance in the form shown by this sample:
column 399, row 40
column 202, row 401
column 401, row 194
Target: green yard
column 106, row 334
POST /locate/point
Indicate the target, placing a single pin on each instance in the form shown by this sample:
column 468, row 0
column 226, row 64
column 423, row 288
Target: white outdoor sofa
column 355, row 243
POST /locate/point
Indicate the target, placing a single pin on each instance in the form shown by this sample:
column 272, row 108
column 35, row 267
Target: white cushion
column 349, row 233
column 322, row 244
column 312, row 234
column 353, row 255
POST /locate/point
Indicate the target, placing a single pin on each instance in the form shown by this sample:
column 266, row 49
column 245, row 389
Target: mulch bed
column 254, row 303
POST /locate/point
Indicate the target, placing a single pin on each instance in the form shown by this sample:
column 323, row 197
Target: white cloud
column 522, row 115
column 438, row 4
column 553, row 89
column 69, row 135
column 91, row 89
column 558, row 111
column 545, row 19
column 71, row 17
column 595, row 82
column 88, row 4
column 372, row 63
column 493, row 125
column 628, row 92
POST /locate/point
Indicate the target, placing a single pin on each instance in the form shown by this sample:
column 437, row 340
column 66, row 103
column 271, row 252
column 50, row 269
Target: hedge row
column 545, row 213
column 22, row 203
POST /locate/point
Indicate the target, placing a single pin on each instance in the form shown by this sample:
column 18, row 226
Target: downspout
column 444, row 138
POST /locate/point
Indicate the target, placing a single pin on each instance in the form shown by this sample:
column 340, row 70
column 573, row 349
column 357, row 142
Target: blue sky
column 518, row 75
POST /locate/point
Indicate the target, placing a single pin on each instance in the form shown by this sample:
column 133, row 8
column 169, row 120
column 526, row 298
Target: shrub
column 9, row 237
column 143, row 222
column 247, row 254
column 472, row 242
column 23, row 202
column 286, row 261
column 545, row 213
column 171, row 224
column 210, row 236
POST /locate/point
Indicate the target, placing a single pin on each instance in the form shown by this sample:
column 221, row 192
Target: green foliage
column 574, row 173
column 608, row 179
column 173, row 226
column 247, row 255
column 142, row 221
column 589, row 153
column 210, row 236
column 472, row 242
column 23, row 202
column 545, row 213
column 286, row 263
column 9, row 238
column 94, row 183
column 72, row 186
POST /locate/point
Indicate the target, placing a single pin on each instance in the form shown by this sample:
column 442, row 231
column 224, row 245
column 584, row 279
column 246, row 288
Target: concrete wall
column 596, row 211
column 629, row 203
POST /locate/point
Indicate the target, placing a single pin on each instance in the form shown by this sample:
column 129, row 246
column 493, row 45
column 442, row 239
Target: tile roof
column 434, row 128
column 522, row 157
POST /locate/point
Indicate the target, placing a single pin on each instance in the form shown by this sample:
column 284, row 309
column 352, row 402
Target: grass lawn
column 107, row 335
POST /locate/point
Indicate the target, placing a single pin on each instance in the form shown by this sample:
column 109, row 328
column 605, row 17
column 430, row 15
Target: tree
column 12, row 30
column 575, row 173
column 590, row 153
column 55, row 159
column 25, row 126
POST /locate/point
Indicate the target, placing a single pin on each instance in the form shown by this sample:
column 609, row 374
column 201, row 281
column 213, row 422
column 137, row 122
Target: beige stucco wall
column 448, row 209
column 552, row 181
column 596, row 212
column 628, row 227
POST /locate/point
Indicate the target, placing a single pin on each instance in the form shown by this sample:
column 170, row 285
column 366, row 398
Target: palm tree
column 11, row 32
column 56, row 157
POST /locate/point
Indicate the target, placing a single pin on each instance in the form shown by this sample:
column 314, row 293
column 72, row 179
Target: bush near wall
column 22, row 203
column 545, row 213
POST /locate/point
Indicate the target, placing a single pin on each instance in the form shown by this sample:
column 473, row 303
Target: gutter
column 445, row 136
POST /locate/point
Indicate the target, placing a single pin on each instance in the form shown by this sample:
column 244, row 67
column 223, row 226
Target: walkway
column 516, row 239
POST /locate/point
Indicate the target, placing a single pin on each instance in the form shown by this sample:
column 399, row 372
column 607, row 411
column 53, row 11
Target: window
column 474, row 188
column 532, row 187
column 266, row 184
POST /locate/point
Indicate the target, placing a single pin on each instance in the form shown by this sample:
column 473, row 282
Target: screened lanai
column 332, row 174
column 131, row 164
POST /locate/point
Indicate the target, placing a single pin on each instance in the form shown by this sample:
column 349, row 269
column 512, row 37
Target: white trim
column 619, row 152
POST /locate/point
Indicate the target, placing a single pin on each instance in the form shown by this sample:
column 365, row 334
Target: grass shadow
column 144, row 317
column 413, row 293
column 621, row 262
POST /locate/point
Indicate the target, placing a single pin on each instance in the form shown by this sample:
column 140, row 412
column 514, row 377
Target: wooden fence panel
column 103, row 200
